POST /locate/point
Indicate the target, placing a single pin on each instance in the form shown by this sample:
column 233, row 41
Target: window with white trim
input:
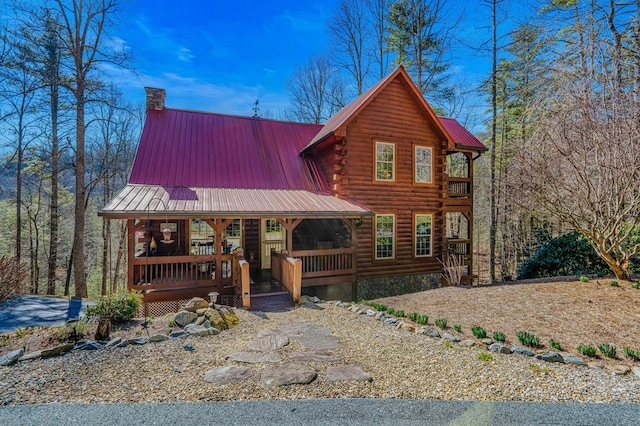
column 385, row 236
column 423, row 164
column 423, row 229
column 385, row 161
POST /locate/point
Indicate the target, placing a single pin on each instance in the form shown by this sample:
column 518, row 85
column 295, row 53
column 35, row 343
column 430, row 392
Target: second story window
column 423, row 164
column 385, row 162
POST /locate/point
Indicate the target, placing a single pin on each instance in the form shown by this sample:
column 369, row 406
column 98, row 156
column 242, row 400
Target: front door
column 273, row 237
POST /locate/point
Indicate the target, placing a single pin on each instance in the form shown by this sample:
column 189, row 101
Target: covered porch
column 174, row 255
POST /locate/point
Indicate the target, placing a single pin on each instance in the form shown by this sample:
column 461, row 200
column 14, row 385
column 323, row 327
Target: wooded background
column 561, row 120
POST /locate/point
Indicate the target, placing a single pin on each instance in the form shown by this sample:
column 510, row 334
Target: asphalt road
column 40, row 311
column 324, row 412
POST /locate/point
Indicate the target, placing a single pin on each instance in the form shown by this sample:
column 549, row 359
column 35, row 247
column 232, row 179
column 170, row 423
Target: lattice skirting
column 159, row 309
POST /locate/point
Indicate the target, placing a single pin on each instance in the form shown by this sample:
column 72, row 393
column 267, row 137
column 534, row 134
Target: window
column 385, row 162
column 385, row 235
column 232, row 236
column 202, row 237
column 423, row 165
column 423, row 232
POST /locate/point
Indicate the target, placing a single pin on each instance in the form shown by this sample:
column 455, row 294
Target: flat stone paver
column 286, row 375
column 268, row 343
column 227, row 375
column 313, row 356
column 254, row 357
column 347, row 373
column 318, row 342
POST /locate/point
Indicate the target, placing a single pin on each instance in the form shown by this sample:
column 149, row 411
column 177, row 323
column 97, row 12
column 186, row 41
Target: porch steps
column 270, row 302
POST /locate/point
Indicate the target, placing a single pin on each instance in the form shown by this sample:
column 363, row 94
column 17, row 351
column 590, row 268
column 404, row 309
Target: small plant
column 391, row 311
column 586, row 350
column 613, row 283
column 138, row 333
column 499, row 336
column 413, row 316
column 22, row 332
column 171, row 323
column 422, row 319
column 635, row 284
column 448, row 344
column 631, row 354
column 485, row 356
column 528, row 339
column 170, row 330
column 607, row 350
column 400, row 313
column 555, row 344
column 458, row 328
column 584, row 279
column 441, row 322
column 479, row 332
column 537, row 369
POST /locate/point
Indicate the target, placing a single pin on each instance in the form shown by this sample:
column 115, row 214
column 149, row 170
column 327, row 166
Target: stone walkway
column 317, row 342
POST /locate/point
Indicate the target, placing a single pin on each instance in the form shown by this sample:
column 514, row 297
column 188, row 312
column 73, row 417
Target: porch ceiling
column 160, row 201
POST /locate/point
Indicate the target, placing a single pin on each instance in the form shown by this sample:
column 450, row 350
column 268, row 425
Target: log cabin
column 377, row 201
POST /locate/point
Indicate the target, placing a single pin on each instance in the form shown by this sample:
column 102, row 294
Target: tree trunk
column 79, row 277
column 494, row 113
column 53, row 206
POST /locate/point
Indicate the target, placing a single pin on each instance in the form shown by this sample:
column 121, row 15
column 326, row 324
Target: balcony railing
column 459, row 187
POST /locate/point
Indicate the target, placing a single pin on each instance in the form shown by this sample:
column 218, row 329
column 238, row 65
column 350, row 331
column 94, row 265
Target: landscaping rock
column 199, row 330
column 138, row 341
column 11, row 358
column 228, row 375
column 618, row 369
column 88, row 346
column 450, row 337
column 468, row 343
column 371, row 313
column 550, row 357
column 312, row 356
column 380, row 316
column 201, row 311
column 286, row 375
column 521, row 350
column 113, row 342
column 500, row 348
column 58, row 350
column 347, row 373
column 177, row 334
column 254, row 358
column 486, row 340
column 229, row 316
column 317, row 342
column 30, row 355
column 390, row 321
column 200, row 320
column 268, row 343
column 431, row 332
column 408, row 326
column 158, row 338
column 574, row 360
column 184, row 318
column 196, row 303
column 215, row 318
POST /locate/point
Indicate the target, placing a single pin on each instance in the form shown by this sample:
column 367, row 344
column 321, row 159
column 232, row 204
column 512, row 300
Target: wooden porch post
column 131, row 246
column 289, row 224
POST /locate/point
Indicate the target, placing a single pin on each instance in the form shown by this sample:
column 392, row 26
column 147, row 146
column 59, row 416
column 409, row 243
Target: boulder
column 196, row 303
column 228, row 375
column 31, row 355
column 286, row 375
column 550, row 357
column 12, row 357
column 201, row 311
column 450, row 337
column 177, row 334
column 229, row 316
column 500, row 348
column 113, row 342
column 158, row 338
column 184, row 318
column 430, row 332
column 57, row 350
column 618, row 369
column 486, row 340
column 200, row 320
column 215, row 319
column 574, row 360
column 521, row 350
column 468, row 343
column 199, row 330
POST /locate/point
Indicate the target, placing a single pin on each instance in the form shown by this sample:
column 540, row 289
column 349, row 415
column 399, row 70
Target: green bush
column 583, row 279
column 635, row 284
column 613, row 283
column 441, row 322
column 485, row 356
column 568, row 254
column 499, row 336
column 479, row 332
column 458, row 328
column 120, row 307
column 528, row 339
column 413, row 316
column 631, row 354
column 586, row 350
column 422, row 319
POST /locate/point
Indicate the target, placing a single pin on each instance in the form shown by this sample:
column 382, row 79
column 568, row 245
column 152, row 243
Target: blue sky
column 221, row 56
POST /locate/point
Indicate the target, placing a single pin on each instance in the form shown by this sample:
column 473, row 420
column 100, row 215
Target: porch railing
column 328, row 266
column 459, row 187
column 242, row 281
column 462, row 250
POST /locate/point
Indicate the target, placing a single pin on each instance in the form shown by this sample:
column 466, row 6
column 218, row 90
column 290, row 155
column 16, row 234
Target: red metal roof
column 197, row 149
column 461, row 136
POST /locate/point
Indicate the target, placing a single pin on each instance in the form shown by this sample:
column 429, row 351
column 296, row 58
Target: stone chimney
column 155, row 98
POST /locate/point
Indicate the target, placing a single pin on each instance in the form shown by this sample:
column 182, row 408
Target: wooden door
column 273, row 237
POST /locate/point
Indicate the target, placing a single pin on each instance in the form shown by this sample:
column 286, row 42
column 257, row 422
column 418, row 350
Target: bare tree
column 378, row 19
column 349, row 33
column 83, row 32
column 316, row 92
